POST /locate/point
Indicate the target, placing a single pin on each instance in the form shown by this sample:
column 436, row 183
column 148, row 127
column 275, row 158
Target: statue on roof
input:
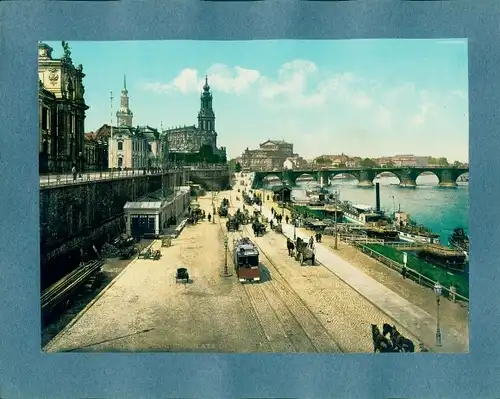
column 67, row 51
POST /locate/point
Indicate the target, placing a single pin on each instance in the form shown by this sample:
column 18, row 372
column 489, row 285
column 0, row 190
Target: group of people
column 279, row 217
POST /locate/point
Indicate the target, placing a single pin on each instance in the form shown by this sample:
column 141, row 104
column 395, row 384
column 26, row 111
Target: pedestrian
column 403, row 272
column 320, row 236
column 73, row 171
column 209, row 217
column 271, row 223
column 317, row 237
column 311, row 242
column 287, row 219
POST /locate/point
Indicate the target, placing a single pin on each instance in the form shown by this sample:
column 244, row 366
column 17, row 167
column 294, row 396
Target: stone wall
column 71, row 215
column 211, row 179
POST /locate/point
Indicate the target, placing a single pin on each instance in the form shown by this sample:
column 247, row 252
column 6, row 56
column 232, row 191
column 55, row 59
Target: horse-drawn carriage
column 182, row 275
column 242, row 217
column 395, row 343
column 303, row 252
column 259, row 228
column 232, row 223
column 145, row 253
column 223, row 210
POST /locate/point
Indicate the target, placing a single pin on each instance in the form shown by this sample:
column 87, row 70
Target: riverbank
column 454, row 314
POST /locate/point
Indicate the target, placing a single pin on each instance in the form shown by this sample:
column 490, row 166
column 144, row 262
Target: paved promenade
column 67, row 178
column 404, row 313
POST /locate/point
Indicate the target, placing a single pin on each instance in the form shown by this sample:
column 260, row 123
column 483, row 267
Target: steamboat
column 411, row 231
column 460, row 240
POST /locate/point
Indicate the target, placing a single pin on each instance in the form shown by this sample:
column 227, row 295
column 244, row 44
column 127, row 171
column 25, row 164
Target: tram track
column 288, row 323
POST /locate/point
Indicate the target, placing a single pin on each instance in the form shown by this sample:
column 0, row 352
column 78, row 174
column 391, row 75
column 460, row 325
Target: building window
column 120, row 146
column 120, row 162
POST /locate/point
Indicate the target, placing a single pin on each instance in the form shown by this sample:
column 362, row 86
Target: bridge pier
column 365, row 183
column 366, row 177
column 447, row 178
column 411, row 183
column 449, row 183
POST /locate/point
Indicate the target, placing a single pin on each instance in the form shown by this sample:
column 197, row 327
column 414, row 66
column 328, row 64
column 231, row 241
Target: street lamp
column 226, row 272
column 336, row 225
column 438, row 289
column 295, row 230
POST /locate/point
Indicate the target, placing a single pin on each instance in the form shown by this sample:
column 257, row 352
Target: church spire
column 124, row 115
column 206, row 87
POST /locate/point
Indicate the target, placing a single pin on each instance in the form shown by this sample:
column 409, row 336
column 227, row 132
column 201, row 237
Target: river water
column 440, row 209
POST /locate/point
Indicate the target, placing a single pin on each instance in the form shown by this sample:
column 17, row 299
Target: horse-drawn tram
column 246, row 260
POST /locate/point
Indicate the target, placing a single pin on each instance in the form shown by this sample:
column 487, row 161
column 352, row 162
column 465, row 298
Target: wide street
column 294, row 308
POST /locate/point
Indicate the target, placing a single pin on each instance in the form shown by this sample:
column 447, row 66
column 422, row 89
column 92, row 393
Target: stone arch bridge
column 447, row 176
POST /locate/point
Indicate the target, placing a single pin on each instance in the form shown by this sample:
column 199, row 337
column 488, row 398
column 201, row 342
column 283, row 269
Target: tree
column 390, row 164
column 237, row 167
column 322, row 161
column 368, row 163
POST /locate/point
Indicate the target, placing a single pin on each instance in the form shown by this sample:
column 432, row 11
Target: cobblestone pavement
column 341, row 310
column 452, row 315
column 295, row 308
column 146, row 310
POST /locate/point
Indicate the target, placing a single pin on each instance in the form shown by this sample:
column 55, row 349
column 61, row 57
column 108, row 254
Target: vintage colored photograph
column 254, row 196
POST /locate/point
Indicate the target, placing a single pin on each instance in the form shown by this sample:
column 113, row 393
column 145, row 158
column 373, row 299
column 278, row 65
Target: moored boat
column 449, row 258
column 360, row 213
column 411, row 231
column 460, row 240
column 381, row 232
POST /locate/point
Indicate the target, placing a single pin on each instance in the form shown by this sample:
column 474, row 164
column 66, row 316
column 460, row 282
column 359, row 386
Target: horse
column 401, row 343
column 290, row 246
column 380, row 342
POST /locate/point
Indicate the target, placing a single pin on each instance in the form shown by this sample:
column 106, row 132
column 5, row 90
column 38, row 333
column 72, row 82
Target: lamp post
column 295, row 230
column 336, row 225
column 438, row 289
column 226, row 272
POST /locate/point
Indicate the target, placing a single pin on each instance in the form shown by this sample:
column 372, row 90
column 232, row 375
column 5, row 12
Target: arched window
column 120, row 145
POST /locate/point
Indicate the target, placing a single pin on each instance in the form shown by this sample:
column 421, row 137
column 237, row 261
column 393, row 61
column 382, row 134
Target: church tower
column 124, row 115
column 206, row 116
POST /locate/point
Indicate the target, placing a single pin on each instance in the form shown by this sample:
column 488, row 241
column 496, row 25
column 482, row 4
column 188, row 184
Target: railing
column 410, row 273
column 360, row 239
column 398, row 244
column 55, row 179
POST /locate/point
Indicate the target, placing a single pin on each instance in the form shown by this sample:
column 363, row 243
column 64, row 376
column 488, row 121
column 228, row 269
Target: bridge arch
column 268, row 180
column 427, row 174
column 304, row 175
column 331, row 175
column 383, row 174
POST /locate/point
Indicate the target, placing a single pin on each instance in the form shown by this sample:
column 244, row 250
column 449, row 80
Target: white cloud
column 301, row 84
column 232, row 80
column 221, row 77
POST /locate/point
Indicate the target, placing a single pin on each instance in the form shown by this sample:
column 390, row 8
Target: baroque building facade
column 132, row 147
column 61, row 111
column 185, row 143
column 271, row 155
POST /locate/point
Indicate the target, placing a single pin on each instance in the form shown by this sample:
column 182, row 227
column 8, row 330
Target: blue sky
column 359, row 97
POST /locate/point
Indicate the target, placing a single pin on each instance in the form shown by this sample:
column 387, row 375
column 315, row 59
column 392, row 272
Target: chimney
column 377, row 197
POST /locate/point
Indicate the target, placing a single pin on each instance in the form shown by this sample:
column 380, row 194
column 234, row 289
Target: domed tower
column 206, row 116
column 124, row 115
